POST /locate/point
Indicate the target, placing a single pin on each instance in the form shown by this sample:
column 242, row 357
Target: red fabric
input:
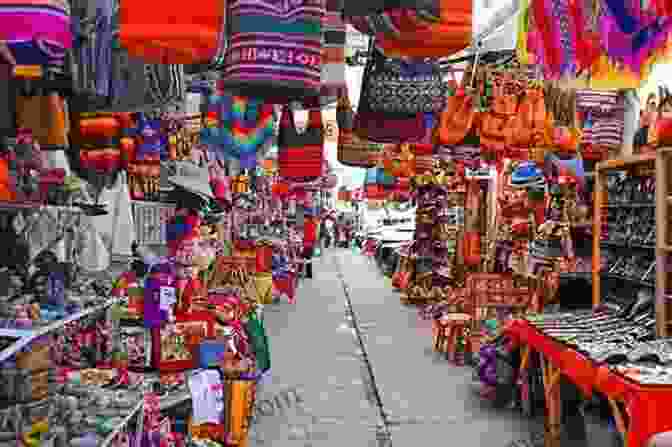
column 301, row 162
column 309, row 232
column 263, row 258
column 646, row 405
column 285, row 285
column 376, row 192
column 280, row 189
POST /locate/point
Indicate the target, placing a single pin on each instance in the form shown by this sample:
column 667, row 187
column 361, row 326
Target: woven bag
column 353, row 150
column 275, row 50
column 300, row 154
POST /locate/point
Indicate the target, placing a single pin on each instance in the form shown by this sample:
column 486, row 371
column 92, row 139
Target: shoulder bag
column 385, row 127
column 352, row 150
column 275, row 49
column 398, row 86
column 300, row 154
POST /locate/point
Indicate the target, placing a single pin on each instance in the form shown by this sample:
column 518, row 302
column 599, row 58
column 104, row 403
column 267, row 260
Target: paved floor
column 317, row 393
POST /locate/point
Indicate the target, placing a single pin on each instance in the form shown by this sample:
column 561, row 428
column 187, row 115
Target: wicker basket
column 150, row 222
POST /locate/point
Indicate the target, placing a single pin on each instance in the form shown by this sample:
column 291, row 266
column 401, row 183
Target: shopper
column 308, row 261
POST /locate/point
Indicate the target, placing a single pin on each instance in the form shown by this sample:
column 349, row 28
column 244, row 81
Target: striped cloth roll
column 333, row 58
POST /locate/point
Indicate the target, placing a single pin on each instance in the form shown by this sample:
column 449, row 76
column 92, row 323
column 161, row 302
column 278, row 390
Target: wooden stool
column 452, row 326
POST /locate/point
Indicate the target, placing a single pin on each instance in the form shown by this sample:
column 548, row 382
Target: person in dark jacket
column 308, row 261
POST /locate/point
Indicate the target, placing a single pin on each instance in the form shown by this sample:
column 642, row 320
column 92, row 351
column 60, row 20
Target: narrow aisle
column 314, row 362
column 427, row 398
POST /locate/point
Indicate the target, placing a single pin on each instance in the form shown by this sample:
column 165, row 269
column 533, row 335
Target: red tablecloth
column 646, row 405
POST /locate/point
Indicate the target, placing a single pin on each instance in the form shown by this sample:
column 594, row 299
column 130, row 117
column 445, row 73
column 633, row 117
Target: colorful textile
column 276, row 50
column 243, row 126
column 592, row 37
column 38, row 32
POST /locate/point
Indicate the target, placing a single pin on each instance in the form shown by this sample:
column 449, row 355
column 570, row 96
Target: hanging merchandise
column 46, row 117
column 174, row 36
column 333, row 78
column 399, row 86
column 457, row 118
column 355, row 8
column 36, row 33
column 384, row 127
column 301, row 154
column 135, row 84
column 399, row 161
column 245, row 125
column 353, row 150
column 406, row 32
column 293, row 35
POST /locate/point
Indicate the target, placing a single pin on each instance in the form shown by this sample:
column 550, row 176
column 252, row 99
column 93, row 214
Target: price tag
column 168, row 297
column 331, row 131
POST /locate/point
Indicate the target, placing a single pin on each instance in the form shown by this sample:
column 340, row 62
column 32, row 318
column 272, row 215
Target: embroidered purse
column 397, row 86
column 275, row 49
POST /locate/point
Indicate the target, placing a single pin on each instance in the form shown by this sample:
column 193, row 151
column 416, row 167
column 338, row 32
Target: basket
column 150, row 222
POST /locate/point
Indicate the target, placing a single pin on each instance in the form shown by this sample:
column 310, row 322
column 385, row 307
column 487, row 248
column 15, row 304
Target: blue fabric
column 526, row 172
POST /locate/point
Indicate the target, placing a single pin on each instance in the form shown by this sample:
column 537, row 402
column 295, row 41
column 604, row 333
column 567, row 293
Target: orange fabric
column 646, row 405
column 45, row 117
column 168, row 32
column 456, row 120
column 333, row 55
column 6, row 193
column 664, row 131
column 450, row 35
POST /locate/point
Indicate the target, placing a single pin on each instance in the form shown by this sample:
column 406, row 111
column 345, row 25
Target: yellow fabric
column 523, row 55
column 241, row 402
column 264, row 284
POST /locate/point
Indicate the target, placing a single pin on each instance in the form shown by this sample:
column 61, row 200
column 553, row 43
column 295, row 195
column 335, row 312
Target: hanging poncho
column 241, row 127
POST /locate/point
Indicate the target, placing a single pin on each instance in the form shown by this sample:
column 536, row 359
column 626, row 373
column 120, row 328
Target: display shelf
column 628, row 205
column 25, row 337
column 631, row 280
column 600, row 203
column 663, row 248
column 21, row 206
column 626, row 245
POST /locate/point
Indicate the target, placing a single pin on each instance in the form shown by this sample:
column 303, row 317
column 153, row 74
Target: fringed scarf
column 631, row 36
